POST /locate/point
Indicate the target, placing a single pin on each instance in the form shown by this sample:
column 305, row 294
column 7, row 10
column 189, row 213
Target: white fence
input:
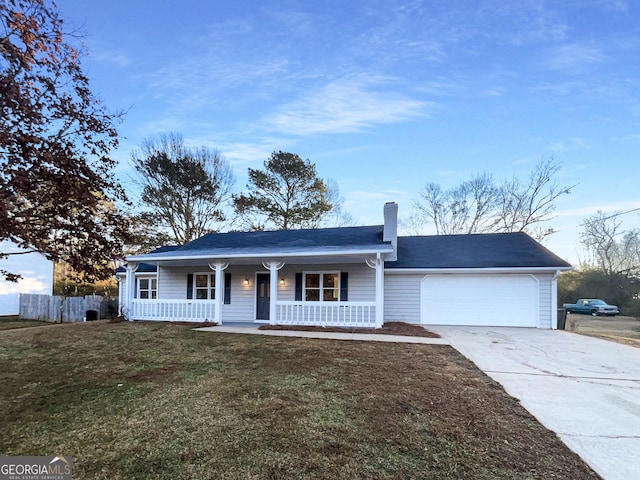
column 173, row 310
column 325, row 314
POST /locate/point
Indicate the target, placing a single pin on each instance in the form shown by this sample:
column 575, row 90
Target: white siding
column 362, row 282
column 544, row 300
column 402, row 298
column 243, row 297
column 172, row 282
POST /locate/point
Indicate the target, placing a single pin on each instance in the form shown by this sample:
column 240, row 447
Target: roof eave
column 478, row 270
column 262, row 255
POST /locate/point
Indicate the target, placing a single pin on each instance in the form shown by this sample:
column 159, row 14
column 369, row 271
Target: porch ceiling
column 289, row 260
column 256, row 255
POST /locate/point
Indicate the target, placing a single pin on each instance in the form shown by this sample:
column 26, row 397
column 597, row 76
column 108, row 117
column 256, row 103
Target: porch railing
column 325, row 314
column 173, row 310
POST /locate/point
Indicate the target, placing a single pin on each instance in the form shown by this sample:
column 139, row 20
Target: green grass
column 131, row 401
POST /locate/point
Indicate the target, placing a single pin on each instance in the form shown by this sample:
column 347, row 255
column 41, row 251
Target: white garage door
column 484, row 300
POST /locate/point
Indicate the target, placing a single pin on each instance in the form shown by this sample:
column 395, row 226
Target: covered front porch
column 320, row 290
column 346, row 314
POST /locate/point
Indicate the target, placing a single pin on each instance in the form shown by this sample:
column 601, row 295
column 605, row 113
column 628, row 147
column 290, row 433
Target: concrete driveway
column 585, row 389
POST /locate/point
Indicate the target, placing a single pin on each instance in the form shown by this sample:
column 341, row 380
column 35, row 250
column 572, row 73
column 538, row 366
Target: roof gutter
column 453, row 271
column 307, row 253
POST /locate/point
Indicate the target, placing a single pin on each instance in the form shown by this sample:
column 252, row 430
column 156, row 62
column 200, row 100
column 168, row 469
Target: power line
column 614, row 215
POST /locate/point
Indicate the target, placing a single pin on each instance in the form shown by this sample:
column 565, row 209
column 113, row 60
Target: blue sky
column 385, row 96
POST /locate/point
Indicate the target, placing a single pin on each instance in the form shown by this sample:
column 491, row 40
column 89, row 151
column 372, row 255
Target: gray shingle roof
column 142, row 268
column 497, row 250
column 308, row 238
column 322, row 240
column 147, row 267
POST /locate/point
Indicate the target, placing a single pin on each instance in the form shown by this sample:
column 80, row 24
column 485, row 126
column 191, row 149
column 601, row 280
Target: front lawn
column 13, row 322
column 163, row 401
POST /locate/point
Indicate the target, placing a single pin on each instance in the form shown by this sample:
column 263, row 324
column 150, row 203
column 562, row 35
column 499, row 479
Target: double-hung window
column 321, row 287
column 204, row 286
column 147, row 288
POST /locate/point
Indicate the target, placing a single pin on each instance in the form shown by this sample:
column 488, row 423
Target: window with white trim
column 204, row 286
column 321, row 287
column 147, row 288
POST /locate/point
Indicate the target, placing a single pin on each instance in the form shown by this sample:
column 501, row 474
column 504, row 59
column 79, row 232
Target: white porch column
column 378, row 265
column 131, row 288
column 218, row 267
column 379, row 291
column 273, row 266
column 273, row 292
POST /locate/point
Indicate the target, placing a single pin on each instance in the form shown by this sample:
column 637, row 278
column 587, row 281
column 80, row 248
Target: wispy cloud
column 346, row 105
column 493, row 92
column 448, row 86
column 518, row 22
column 208, row 77
column 376, row 195
column 562, row 88
column 572, row 57
column 568, row 144
column 617, row 6
column 113, row 57
column 246, row 154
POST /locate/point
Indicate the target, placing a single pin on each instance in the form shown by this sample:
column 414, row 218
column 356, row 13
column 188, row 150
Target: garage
column 479, row 300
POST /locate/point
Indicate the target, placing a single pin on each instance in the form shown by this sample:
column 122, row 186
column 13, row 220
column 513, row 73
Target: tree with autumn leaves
column 57, row 190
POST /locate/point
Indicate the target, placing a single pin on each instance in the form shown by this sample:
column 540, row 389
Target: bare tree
column 479, row 205
column 336, row 217
column 184, row 189
column 467, row 208
column 524, row 205
column 413, row 224
column 613, row 250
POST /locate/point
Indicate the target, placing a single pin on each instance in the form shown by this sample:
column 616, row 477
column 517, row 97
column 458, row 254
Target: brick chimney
column 390, row 232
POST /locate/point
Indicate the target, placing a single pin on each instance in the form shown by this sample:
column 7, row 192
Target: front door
column 263, row 294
